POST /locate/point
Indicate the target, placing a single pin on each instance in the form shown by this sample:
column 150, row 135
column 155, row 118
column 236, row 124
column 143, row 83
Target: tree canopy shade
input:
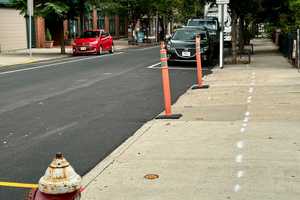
column 280, row 13
column 56, row 9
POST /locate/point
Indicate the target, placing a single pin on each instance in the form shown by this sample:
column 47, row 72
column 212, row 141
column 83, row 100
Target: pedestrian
column 137, row 29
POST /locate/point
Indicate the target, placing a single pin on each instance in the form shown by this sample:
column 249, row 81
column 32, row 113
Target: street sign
column 30, row 7
column 222, row 1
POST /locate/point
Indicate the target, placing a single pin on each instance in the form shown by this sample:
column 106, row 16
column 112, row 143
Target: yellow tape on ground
column 18, row 185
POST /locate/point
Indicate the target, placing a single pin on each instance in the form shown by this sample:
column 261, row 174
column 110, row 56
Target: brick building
column 13, row 28
column 115, row 25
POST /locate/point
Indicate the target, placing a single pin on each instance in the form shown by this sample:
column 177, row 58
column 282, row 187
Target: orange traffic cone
column 166, row 85
column 199, row 84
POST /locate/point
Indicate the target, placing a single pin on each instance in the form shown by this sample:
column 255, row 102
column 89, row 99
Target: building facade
column 13, row 31
column 116, row 25
column 14, row 28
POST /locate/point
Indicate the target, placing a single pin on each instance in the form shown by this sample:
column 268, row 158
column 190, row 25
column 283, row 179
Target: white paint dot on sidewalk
column 239, row 158
column 240, row 174
column 243, row 130
column 246, row 119
column 245, row 124
column 251, row 90
column 237, row 188
column 240, row 144
column 247, row 113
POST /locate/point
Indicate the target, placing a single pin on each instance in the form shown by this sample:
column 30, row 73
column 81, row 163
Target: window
column 101, row 22
column 90, row 34
column 112, row 28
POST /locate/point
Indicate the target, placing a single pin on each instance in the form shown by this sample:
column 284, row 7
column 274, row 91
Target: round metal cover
column 151, row 176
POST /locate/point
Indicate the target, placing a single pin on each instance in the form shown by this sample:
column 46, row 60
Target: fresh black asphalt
column 84, row 109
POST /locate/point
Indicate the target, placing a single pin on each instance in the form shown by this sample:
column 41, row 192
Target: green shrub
column 48, row 35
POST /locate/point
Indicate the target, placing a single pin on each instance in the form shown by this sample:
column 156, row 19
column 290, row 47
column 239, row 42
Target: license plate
column 186, row 53
column 82, row 48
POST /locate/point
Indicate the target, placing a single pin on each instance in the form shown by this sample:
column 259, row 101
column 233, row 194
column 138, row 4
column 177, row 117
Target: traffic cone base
column 197, row 87
column 173, row 116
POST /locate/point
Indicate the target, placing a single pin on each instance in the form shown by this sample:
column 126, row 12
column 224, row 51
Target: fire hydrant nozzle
column 59, row 155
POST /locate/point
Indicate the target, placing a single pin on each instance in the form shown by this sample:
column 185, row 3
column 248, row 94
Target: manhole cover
column 151, row 176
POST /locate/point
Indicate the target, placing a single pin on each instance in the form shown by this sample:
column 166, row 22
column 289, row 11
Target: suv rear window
column 188, row 35
column 202, row 23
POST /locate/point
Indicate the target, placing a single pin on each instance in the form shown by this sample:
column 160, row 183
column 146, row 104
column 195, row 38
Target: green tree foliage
column 20, row 5
column 294, row 6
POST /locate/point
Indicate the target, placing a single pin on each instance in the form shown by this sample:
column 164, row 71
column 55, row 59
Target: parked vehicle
column 181, row 47
column 212, row 25
column 93, row 42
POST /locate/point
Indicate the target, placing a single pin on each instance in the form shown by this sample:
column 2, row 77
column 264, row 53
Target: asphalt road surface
column 84, row 107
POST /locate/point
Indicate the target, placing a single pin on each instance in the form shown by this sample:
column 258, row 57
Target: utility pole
column 221, row 4
column 298, row 48
column 30, row 14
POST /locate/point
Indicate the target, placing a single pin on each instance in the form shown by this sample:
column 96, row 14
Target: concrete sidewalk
column 42, row 54
column 240, row 139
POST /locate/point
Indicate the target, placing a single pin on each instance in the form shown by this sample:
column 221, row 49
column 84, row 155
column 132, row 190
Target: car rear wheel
column 112, row 50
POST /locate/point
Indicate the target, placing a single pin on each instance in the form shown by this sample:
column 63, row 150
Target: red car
column 94, row 42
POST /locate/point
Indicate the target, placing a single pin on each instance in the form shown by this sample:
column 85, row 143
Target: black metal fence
column 287, row 43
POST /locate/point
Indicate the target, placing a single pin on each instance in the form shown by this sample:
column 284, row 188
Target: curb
column 111, row 158
column 34, row 60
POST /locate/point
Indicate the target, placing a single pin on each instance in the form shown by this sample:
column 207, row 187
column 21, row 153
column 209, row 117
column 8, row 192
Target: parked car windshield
column 188, row 35
column 201, row 23
column 90, row 34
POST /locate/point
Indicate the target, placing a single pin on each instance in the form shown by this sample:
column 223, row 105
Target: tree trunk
column 157, row 27
column 234, row 38
column 241, row 33
column 62, row 38
column 81, row 17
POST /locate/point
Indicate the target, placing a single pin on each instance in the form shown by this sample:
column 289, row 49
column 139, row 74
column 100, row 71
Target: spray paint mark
column 240, row 144
column 239, row 158
column 240, row 174
column 237, row 188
